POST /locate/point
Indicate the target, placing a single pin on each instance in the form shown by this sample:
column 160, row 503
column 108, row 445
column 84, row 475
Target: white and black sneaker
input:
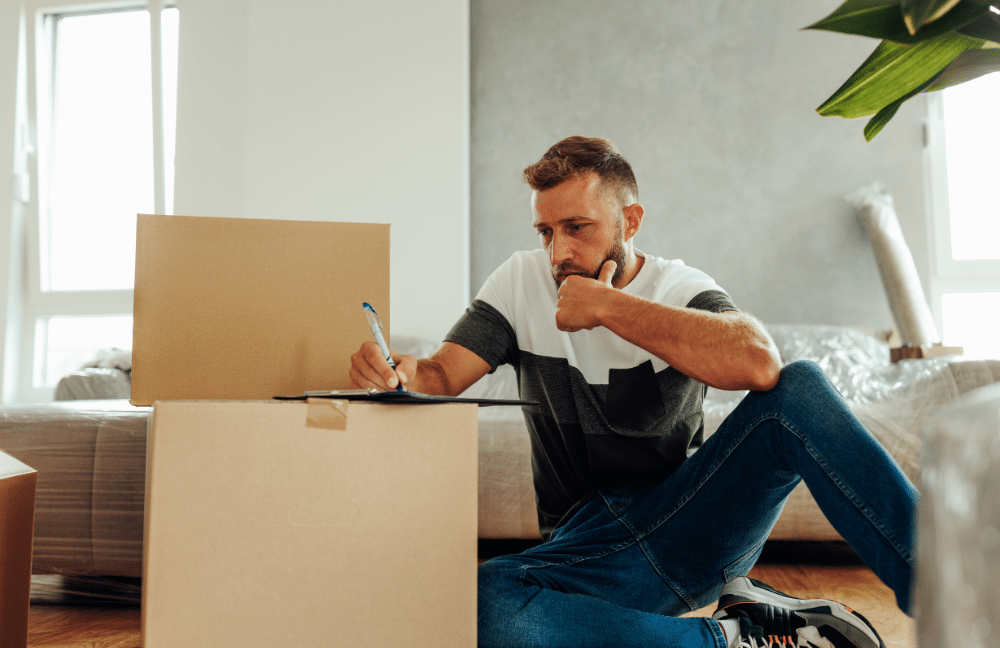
column 768, row 617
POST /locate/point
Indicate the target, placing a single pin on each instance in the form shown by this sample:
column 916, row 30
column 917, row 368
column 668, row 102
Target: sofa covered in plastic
column 90, row 451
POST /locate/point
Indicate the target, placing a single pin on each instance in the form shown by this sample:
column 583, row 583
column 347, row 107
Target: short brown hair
column 576, row 156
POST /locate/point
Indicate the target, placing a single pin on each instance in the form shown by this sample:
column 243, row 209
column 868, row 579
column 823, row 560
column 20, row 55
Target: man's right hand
column 369, row 369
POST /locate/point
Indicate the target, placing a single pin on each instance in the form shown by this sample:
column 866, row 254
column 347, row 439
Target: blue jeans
column 625, row 565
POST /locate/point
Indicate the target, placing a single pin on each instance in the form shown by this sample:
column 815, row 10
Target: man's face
column 581, row 227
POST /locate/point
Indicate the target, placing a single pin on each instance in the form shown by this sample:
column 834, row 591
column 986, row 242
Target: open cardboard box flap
column 248, row 309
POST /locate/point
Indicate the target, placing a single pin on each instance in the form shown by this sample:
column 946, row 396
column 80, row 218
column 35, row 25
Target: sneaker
column 768, row 617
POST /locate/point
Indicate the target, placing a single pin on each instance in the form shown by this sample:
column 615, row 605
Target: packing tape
column 326, row 413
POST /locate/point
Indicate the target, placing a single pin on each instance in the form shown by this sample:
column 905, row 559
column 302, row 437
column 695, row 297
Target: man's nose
column 560, row 250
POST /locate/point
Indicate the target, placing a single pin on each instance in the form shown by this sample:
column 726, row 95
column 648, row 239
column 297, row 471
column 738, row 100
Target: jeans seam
column 717, row 634
column 784, row 422
column 691, row 603
column 847, row 492
column 615, row 548
column 644, row 548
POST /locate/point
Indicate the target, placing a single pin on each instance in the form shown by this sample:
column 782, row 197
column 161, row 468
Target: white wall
column 10, row 207
column 340, row 111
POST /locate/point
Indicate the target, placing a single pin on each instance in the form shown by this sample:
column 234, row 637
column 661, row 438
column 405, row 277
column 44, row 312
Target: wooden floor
column 102, row 614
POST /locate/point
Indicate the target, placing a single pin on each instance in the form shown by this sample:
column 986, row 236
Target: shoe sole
column 814, row 611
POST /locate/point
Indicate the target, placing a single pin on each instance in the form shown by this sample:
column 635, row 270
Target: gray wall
column 713, row 104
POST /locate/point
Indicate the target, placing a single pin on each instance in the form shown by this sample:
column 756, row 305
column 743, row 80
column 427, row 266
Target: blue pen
column 376, row 326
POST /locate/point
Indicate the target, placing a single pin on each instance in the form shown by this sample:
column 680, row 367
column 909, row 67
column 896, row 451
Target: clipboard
column 399, row 398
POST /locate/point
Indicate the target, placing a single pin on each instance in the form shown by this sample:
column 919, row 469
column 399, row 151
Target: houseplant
column 926, row 45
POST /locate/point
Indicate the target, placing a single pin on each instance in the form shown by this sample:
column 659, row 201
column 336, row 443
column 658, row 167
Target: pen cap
column 373, row 318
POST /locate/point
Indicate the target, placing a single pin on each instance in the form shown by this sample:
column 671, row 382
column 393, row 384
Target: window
column 971, row 318
column 971, row 134
column 965, row 214
column 104, row 116
column 66, row 342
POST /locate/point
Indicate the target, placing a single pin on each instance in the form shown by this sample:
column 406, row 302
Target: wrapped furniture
column 90, row 455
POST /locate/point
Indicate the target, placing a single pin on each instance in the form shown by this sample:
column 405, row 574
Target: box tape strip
column 326, row 413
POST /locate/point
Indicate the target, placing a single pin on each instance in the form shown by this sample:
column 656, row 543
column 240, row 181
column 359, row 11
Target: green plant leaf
column 882, row 117
column 892, row 71
column 986, row 27
column 966, row 67
column 874, row 18
column 883, row 19
column 917, row 13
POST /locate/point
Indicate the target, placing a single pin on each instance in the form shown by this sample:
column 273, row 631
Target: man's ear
column 632, row 214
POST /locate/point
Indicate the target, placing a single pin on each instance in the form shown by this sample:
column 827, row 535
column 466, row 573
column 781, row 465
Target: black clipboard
column 399, row 397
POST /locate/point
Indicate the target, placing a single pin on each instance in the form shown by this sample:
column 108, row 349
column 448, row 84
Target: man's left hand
column 580, row 299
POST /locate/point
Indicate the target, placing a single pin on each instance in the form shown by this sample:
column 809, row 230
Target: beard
column 617, row 253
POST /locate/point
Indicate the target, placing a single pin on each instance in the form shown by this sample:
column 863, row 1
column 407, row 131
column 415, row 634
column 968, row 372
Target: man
column 617, row 347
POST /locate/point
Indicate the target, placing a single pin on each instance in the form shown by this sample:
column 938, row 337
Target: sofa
column 89, row 451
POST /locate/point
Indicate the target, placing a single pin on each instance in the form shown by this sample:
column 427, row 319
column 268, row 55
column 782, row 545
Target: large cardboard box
column 248, row 309
column 310, row 524
column 17, row 516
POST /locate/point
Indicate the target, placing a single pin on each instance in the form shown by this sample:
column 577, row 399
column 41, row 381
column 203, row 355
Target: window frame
column 40, row 38
column 948, row 275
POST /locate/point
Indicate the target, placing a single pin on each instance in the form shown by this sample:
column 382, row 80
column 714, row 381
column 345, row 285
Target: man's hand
column 580, row 299
column 369, row 369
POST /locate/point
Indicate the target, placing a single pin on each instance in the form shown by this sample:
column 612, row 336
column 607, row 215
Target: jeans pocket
column 742, row 565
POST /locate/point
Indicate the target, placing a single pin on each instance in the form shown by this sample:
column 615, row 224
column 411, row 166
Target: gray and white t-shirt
column 609, row 412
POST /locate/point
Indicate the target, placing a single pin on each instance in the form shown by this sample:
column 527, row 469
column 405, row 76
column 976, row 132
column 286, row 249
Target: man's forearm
column 723, row 350
column 449, row 372
column 430, row 379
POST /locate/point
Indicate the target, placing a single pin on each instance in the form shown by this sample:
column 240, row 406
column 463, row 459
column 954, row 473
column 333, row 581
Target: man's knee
column 803, row 375
column 802, row 370
column 802, row 387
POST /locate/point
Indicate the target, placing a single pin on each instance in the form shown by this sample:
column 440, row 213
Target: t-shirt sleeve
column 487, row 333
column 715, row 301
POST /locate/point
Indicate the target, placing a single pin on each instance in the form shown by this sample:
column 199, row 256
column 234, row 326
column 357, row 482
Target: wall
column 10, row 207
column 713, row 104
column 318, row 110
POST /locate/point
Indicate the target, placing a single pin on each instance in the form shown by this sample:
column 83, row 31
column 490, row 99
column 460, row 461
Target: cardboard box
column 310, row 524
column 17, row 515
column 248, row 309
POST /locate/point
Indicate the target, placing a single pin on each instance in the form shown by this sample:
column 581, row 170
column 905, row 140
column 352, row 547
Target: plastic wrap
column 959, row 542
column 91, row 463
column 899, row 273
